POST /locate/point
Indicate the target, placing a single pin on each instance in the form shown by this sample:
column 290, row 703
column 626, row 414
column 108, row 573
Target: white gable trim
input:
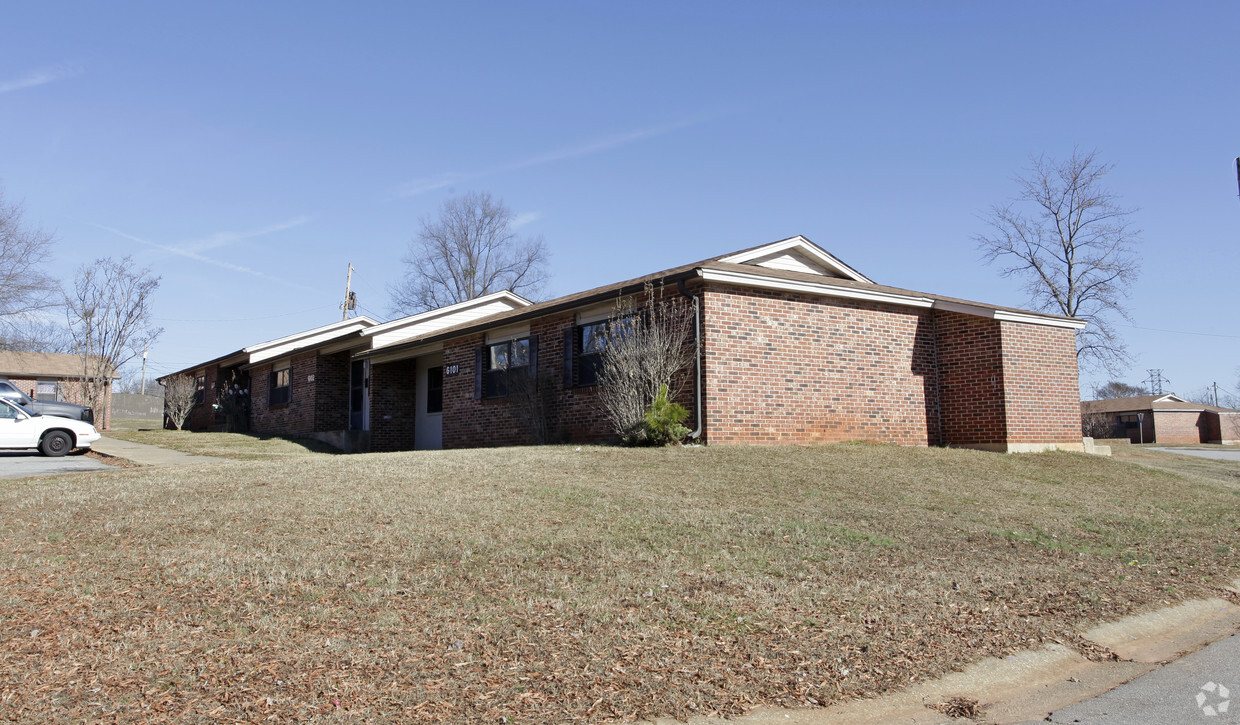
column 814, row 288
column 805, row 246
column 502, row 295
column 1169, row 398
column 319, row 335
column 826, row 289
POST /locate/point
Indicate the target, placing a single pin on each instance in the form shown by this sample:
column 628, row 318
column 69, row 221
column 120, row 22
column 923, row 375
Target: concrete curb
column 1031, row 685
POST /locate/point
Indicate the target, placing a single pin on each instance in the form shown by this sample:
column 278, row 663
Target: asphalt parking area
column 19, row 464
column 1200, row 453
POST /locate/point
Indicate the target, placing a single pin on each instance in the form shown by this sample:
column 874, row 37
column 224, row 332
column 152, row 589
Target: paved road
column 1179, row 692
column 1203, row 453
column 19, row 464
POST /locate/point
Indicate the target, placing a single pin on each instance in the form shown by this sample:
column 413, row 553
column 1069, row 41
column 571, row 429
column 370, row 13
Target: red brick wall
column 971, row 379
column 1179, row 427
column 202, row 417
column 295, row 417
column 331, row 398
column 788, row 368
column 1222, row 427
column 392, row 405
column 572, row 412
column 1040, row 385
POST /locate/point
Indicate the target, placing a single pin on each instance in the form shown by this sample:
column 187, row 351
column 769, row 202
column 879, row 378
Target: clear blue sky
column 247, row 152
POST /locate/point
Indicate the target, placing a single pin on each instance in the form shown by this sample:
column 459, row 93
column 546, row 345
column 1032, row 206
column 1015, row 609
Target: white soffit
column 406, row 354
column 319, row 335
column 425, row 323
column 797, row 254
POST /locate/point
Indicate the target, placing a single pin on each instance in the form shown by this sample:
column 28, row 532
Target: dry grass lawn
column 562, row 584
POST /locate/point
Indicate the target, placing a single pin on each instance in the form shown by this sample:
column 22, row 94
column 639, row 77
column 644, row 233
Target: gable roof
column 764, row 266
column 1140, row 403
column 424, row 323
column 307, row 339
column 44, row 365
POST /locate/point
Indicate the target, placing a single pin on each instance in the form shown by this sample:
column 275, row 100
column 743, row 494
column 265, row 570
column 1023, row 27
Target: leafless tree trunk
column 25, row 289
column 180, row 396
column 470, row 250
column 1073, row 245
column 110, row 320
column 646, row 345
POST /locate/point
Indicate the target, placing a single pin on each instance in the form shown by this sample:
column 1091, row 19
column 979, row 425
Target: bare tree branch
column 645, row 345
column 1073, row 245
column 180, row 397
column 110, row 320
column 468, row 251
column 25, row 289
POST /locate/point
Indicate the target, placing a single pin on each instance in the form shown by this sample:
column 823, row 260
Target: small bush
column 663, row 424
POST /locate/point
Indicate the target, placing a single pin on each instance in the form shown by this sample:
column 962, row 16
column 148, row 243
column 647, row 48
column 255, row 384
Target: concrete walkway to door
column 147, row 455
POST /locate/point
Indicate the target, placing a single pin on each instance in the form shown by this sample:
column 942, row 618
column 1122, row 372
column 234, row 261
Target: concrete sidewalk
column 146, row 455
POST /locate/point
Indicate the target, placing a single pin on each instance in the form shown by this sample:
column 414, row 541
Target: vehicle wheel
column 56, row 443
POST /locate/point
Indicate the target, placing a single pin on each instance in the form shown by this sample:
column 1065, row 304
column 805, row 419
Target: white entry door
column 428, row 399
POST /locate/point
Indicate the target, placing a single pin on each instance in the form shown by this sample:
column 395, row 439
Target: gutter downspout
column 697, row 356
column 938, row 385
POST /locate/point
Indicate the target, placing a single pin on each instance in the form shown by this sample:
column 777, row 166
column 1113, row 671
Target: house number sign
column 450, row 370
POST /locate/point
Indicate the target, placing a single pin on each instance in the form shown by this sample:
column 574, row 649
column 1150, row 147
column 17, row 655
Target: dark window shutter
column 534, row 356
column 570, row 336
column 478, row 372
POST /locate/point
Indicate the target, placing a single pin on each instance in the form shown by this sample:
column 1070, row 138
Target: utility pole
column 1215, row 386
column 350, row 299
column 1156, row 381
column 144, row 371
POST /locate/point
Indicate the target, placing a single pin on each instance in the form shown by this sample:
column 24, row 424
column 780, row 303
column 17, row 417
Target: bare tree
column 1097, row 425
column 1117, row 389
column 180, row 397
column 468, row 251
column 25, row 288
column 1073, row 245
column 645, row 345
column 32, row 333
column 110, row 321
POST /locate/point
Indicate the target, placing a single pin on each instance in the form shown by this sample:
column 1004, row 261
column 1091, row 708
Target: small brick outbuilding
column 1165, row 419
column 56, row 377
column 794, row 346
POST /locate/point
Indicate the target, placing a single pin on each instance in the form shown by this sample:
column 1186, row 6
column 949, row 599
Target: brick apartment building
column 51, row 376
column 794, row 346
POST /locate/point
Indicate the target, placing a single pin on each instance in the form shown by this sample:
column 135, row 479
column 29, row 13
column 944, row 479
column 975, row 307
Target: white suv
column 51, row 434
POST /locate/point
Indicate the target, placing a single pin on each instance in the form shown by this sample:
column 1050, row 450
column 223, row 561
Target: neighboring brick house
column 55, row 376
column 794, row 347
column 1166, row 419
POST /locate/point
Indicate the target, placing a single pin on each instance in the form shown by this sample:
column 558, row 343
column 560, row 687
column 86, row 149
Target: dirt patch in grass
column 557, row 584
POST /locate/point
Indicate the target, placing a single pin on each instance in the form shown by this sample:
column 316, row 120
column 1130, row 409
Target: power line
column 244, row 319
column 1181, row 332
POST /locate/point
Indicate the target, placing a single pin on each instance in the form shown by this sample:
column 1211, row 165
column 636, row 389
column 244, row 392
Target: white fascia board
column 514, row 300
column 1008, row 315
column 1170, row 398
column 814, row 288
column 406, row 354
column 804, row 245
column 274, row 348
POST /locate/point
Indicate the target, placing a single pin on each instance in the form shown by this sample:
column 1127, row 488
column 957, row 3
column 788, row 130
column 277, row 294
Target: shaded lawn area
column 561, row 584
column 239, row 446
